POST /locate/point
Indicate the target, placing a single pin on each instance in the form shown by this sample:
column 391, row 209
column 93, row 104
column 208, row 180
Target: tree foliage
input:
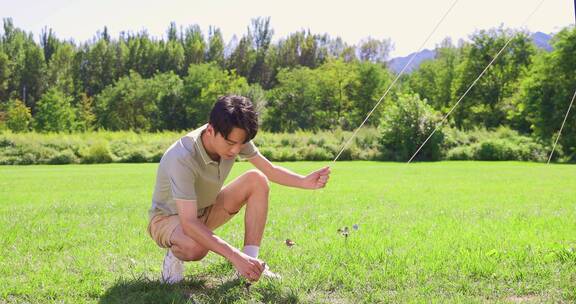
column 302, row 81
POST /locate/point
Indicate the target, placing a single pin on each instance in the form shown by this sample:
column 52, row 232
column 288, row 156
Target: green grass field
column 428, row 232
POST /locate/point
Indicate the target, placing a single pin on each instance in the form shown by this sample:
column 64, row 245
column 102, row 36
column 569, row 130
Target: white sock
column 251, row 250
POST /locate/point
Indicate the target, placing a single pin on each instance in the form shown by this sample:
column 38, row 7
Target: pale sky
column 406, row 22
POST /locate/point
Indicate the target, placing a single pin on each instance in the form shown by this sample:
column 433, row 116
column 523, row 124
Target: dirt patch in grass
column 525, row 299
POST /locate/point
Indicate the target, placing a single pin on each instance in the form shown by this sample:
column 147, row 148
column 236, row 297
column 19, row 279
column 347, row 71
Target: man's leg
column 252, row 189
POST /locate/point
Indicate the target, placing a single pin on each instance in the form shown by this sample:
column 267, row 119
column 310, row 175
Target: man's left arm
column 283, row 176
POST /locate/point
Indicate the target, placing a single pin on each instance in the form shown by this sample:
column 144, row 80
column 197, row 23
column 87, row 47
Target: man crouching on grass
column 189, row 202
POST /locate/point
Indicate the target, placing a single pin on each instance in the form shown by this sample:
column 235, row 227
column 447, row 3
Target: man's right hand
column 248, row 267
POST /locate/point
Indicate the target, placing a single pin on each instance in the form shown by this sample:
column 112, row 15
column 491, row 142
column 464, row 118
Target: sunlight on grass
column 457, row 231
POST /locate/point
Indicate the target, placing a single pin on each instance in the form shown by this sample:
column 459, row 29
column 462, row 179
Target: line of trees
column 304, row 81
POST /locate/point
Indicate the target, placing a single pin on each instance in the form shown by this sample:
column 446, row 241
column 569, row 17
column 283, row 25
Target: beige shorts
column 161, row 227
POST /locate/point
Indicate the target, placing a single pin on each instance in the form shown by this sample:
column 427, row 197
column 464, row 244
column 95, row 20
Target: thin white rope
column 395, row 80
column 473, row 84
column 562, row 127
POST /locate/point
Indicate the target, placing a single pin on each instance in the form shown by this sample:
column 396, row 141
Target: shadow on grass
column 197, row 290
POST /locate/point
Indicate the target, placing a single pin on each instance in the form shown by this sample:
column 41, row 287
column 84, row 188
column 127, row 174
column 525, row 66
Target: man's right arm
column 248, row 267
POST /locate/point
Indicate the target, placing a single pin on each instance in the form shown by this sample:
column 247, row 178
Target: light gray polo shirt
column 187, row 172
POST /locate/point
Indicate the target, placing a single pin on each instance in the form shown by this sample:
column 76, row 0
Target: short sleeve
column 248, row 151
column 181, row 178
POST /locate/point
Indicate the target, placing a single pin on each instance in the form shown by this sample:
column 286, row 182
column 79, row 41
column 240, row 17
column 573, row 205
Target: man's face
column 228, row 148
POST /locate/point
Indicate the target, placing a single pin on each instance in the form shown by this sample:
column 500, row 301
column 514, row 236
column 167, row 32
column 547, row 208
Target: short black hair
column 232, row 111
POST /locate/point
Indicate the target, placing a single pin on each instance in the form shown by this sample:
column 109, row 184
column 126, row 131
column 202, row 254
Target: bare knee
column 189, row 254
column 259, row 180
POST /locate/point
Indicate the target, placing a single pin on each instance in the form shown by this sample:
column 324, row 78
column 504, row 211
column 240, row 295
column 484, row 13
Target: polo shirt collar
column 198, row 140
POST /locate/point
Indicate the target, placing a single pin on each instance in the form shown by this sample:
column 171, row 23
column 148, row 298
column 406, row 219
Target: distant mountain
column 398, row 63
column 541, row 40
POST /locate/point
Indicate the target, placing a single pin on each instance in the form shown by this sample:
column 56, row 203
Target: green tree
column 60, row 70
column 292, row 105
column 434, row 79
column 129, row 104
column 203, row 85
column 374, row 50
column 95, row 66
column 337, row 48
column 194, row 46
column 32, row 77
column 13, row 45
column 18, row 116
column 49, row 43
column 243, row 57
column 487, row 103
column 120, row 50
column 4, row 76
column 55, row 112
column 215, row 47
column 172, row 57
column 310, row 52
column 142, row 55
column 26, row 64
column 334, row 83
column 85, row 116
column 369, row 84
column 172, row 32
column 547, row 90
column 288, row 50
column 261, row 33
column 171, row 114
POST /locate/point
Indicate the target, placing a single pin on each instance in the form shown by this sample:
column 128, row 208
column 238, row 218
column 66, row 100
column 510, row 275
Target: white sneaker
column 265, row 274
column 269, row 274
column 172, row 269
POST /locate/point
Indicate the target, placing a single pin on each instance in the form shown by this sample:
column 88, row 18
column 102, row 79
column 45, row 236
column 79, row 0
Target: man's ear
column 210, row 130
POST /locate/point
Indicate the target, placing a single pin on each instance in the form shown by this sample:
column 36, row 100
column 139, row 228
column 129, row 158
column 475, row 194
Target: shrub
column 285, row 154
column 97, row 153
column 500, row 144
column 64, row 157
column 314, row 153
column 104, row 147
column 5, row 142
column 156, row 156
column 26, row 159
column 136, row 156
column 267, row 152
column 496, row 149
column 405, row 126
column 461, row 153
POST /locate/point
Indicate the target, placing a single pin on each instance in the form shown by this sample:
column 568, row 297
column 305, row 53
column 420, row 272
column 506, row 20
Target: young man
column 189, row 202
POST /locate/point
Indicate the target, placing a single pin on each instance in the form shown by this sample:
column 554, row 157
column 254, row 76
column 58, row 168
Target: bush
column 286, row 154
column 64, row 157
column 314, row 153
column 405, row 126
column 105, row 147
column 156, row 156
column 346, row 154
column 267, row 152
column 496, row 149
column 136, row 156
column 461, row 153
column 97, row 153
column 368, row 154
column 5, row 142
column 25, row 159
column 500, row 144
